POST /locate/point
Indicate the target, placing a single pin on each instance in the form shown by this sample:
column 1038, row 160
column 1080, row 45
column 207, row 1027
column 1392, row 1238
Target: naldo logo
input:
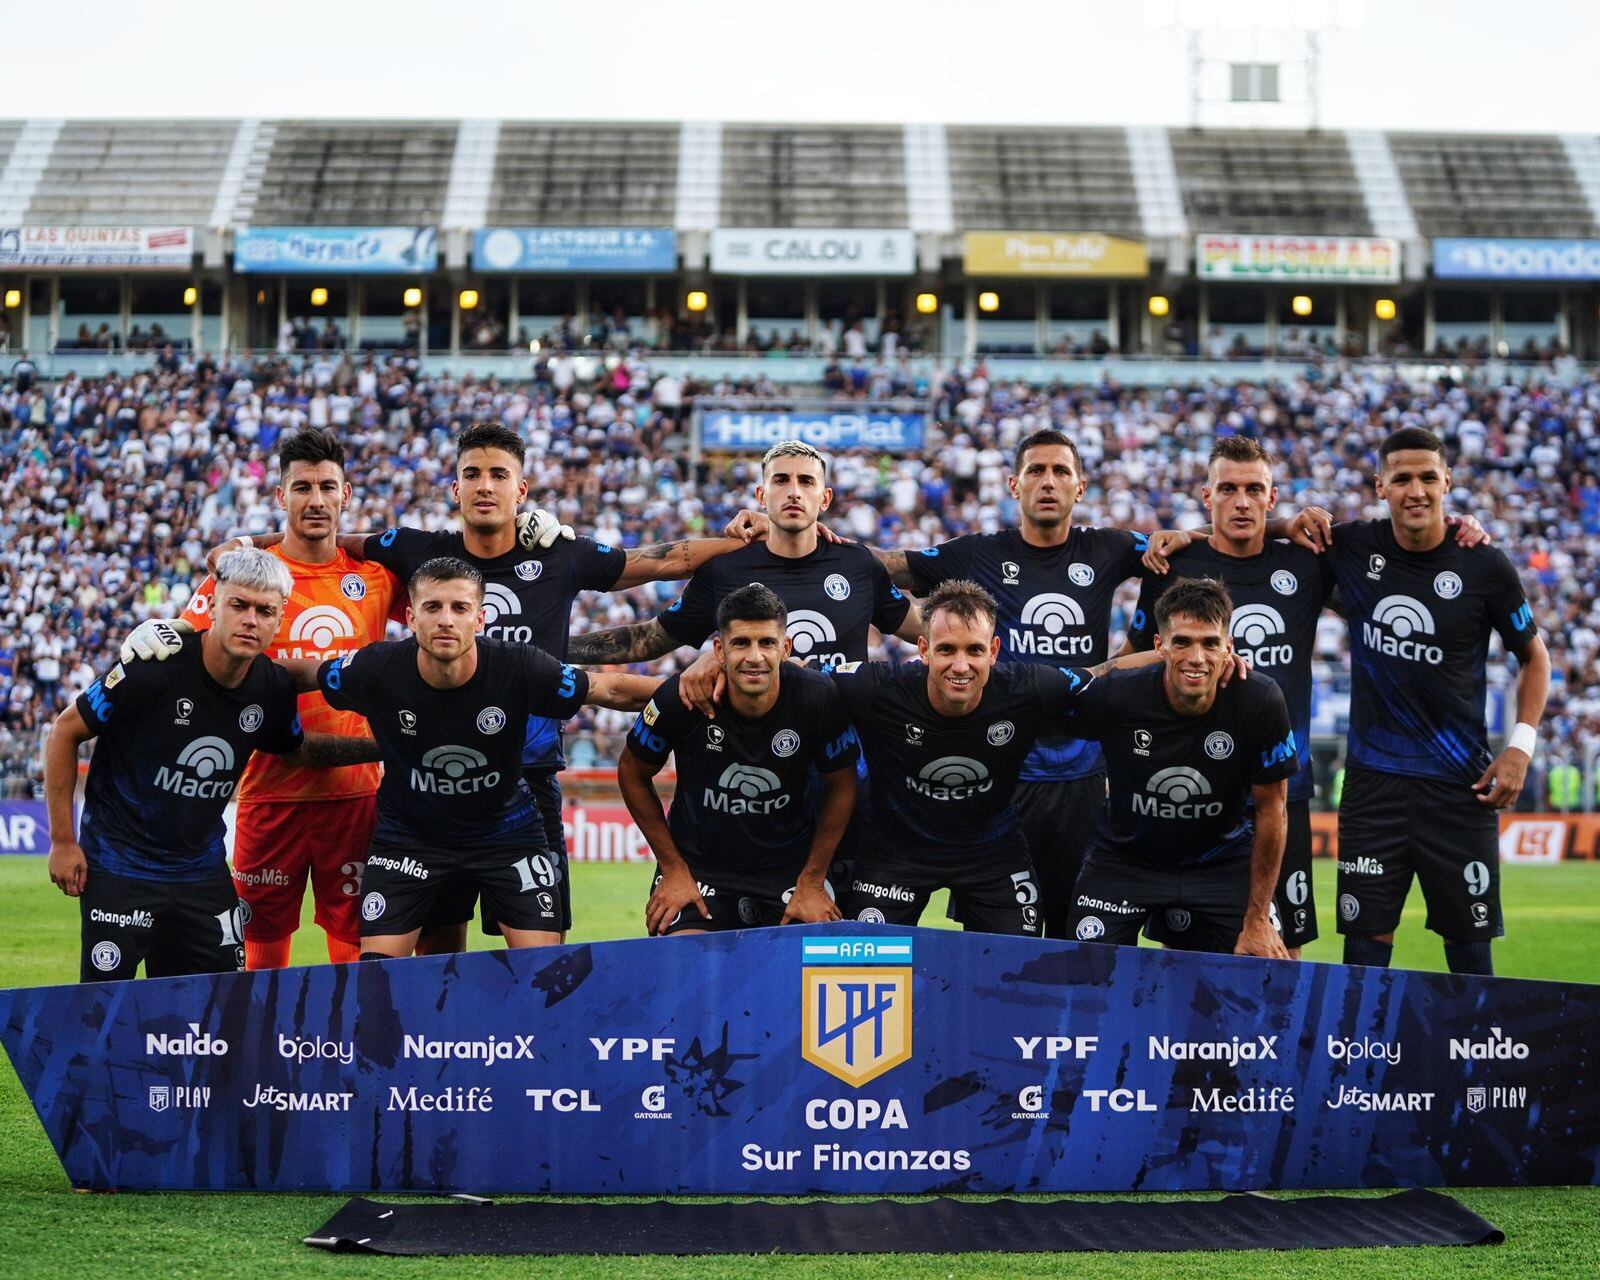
column 1401, row 627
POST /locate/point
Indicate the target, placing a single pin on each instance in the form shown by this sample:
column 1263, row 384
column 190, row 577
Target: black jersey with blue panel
column 452, row 758
column 833, row 595
column 1277, row 598
column 1420, row 623
column 941, row 786
column 172, row 746
column 1055, row 610
column 742, row 801
column 527, row 599
column 1179, row 784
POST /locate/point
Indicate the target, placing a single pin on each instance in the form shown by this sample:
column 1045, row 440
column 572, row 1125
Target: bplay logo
column 1395, row 621
column 198, row 764
column 951, row 778
column 1046, row 618
column 452, row 771
column 1174, row 792
column 745, row 789
column 316, row 1049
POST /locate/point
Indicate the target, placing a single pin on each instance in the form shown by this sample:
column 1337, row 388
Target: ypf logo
column 855, row 1005
column 499, row 601
column 322, row 628
column 745, row 789
column 1258, row 630
column 1046, row 619
column 809, row 631
column 1396, row 623
column 453, row 771
column 951, row 778
column 1176, row 792
column 199, row 763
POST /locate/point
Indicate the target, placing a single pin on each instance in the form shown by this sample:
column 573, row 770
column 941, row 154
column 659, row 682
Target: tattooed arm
column 672, row 561
column 330, row 751
column 895, row 563
column 638, row 642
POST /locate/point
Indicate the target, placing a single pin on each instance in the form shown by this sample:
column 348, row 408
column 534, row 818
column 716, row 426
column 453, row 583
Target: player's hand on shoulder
column 155, row 640
column 539, row 529
column 748, row 526
column 1469, row 532
column 69, row 869
column 1312, row 529
column 702, row 685
column 1259, row 938
column 1164, row 543
column 675, row 893
column 216, row 553
column 1237, row 667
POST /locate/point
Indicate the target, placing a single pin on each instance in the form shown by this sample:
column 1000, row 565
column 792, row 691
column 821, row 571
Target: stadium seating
column 131, row 171
column 356, row 173
column 1047, row 179
column 1491, row 184
column 585, row 175
column 813, row 176
column 1268, row 181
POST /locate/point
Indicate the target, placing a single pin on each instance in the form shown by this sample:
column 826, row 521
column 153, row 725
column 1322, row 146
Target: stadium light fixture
column 469, row 299
column 13, row 298
column 412, row 297
column 696, row 301
column 1160, row 304
column 1300, row 304
column 319, row 297
column 927, row 303
column 261, row 296
column 533, row 347
column 191, row 295
column 1383, row 308
column 988, row 300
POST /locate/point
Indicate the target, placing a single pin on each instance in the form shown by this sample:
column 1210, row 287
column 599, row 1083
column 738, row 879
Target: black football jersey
column 941, row 786
column 452, row 758
column 172, row 746
column 1419, row 643
column 1179, row 784
column 527, row 598
column 833, row 595
column 742, row 801
column 1277, row 599
column 1055, row 609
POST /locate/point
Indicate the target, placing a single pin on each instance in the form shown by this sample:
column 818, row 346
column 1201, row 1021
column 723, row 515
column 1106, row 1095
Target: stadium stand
column 813, row 176
column 581, row 175
column 131, row 171
column 1052, row 179
column 356, row 172
column 1491, row 184
column 1268, row 181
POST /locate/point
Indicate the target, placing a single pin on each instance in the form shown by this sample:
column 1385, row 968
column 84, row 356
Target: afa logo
column 353, row 587
column 855, row 1005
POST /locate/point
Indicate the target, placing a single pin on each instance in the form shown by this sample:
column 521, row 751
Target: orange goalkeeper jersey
column 335, row 609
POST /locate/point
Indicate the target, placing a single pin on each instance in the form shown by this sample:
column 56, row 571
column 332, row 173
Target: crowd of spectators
column 111, row 489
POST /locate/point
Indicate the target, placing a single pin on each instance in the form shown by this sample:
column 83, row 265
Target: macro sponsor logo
column 1363, row 1051
column 316, row 1049
column 744, row 789
column 1173, row 789
column 195, row 1043
column 1367, row 1100
column 123, row 919
column 319, row 633
column 1232, row 1051
column 492, row 1049
column 198, row 762
column 454, row 771
column 1245, row 1101
column 1045, row 619
column 1258, row 631
column 1498, row 1048
column 479, row 1098
column 1395, row 621
column 500, row 603
column 951, row 778
column 810, row 631
column 275, row 1099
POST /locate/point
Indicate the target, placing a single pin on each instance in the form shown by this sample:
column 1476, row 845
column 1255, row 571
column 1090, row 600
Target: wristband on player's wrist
column 1525, row 738
column 245, row 540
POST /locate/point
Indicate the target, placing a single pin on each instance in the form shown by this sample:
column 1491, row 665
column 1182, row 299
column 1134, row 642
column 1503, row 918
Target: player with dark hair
column 1182, row 751
column 447, row 710
column 174, row 739
column 1422, row 791
column 742, row 844
column 293, row 823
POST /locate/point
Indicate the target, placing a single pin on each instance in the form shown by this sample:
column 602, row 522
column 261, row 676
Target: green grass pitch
column 1553, row 926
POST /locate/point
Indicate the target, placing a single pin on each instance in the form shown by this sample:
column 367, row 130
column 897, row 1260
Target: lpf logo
column 855, row 1006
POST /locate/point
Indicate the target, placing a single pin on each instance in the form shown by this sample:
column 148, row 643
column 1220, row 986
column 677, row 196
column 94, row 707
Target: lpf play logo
column 855, row 1002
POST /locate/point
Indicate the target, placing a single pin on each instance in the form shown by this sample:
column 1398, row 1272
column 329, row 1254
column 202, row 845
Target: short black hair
column 1049, row 436
column 966, row 599
column 1203, row 599
column 492, row 435
column 753, row 603
column 313, row 445
column 444, row 569
column 1239, row 449
column 1410, row 438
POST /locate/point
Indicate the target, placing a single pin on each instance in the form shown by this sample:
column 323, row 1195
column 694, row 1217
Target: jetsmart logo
column 1258, row 630
column 194, row 1044
column 1174, row 793
column 197, row 764
column 453, row 771
column 1394, row 622
column 809, row 631
column 1045, row 619
column 951, row 778
column 320, row 629
column 743, row 788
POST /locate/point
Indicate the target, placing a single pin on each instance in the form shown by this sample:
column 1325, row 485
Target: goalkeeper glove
column 539, row 529
column 155, row 641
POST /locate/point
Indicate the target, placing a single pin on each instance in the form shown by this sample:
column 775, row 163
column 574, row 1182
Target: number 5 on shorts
column 1027, row 891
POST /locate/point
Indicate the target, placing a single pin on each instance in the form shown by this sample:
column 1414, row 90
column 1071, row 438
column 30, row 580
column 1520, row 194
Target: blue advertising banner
column 1493, row 259
column 575, row 249
column 759, row 430
column 339, row 250
column 24, row 826
column 837, row 1059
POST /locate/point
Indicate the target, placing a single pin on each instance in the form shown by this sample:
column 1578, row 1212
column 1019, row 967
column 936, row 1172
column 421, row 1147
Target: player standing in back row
column 1421, row 791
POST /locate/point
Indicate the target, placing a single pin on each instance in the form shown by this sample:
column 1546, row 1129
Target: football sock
column 267, row 955
column 1470, row 957
column 342, row 952
column 1367, row 951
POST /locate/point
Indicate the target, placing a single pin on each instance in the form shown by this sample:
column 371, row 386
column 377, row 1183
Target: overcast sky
column 1501, row 65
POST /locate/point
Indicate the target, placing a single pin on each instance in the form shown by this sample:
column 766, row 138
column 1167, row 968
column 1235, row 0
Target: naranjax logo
column 493, row 1049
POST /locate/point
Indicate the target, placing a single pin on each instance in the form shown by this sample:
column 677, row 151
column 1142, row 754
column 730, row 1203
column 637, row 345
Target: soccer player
column 447, row 710
column 742, row 846
column 1422, row 792
column 150, row 872
column 294, row 822
column 1176, row 836
column 1278, row 591
column 943, row 744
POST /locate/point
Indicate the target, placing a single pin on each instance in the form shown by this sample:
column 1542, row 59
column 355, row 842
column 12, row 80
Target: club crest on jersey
column 785, row 742
column 1000, row 733
column 491, row 720
column 837, row 586
column 1080, row 573
column 1012, row 572
column 714, row 737
column 914, row 734
column 1285, row 583
column 529, row 570
column 1219, row 746
column 1141, row 742
column 251, row 717
column 1375, row 566
column 185, row 710
column 1447, row 585
column 408, row 722
column 353, row 586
